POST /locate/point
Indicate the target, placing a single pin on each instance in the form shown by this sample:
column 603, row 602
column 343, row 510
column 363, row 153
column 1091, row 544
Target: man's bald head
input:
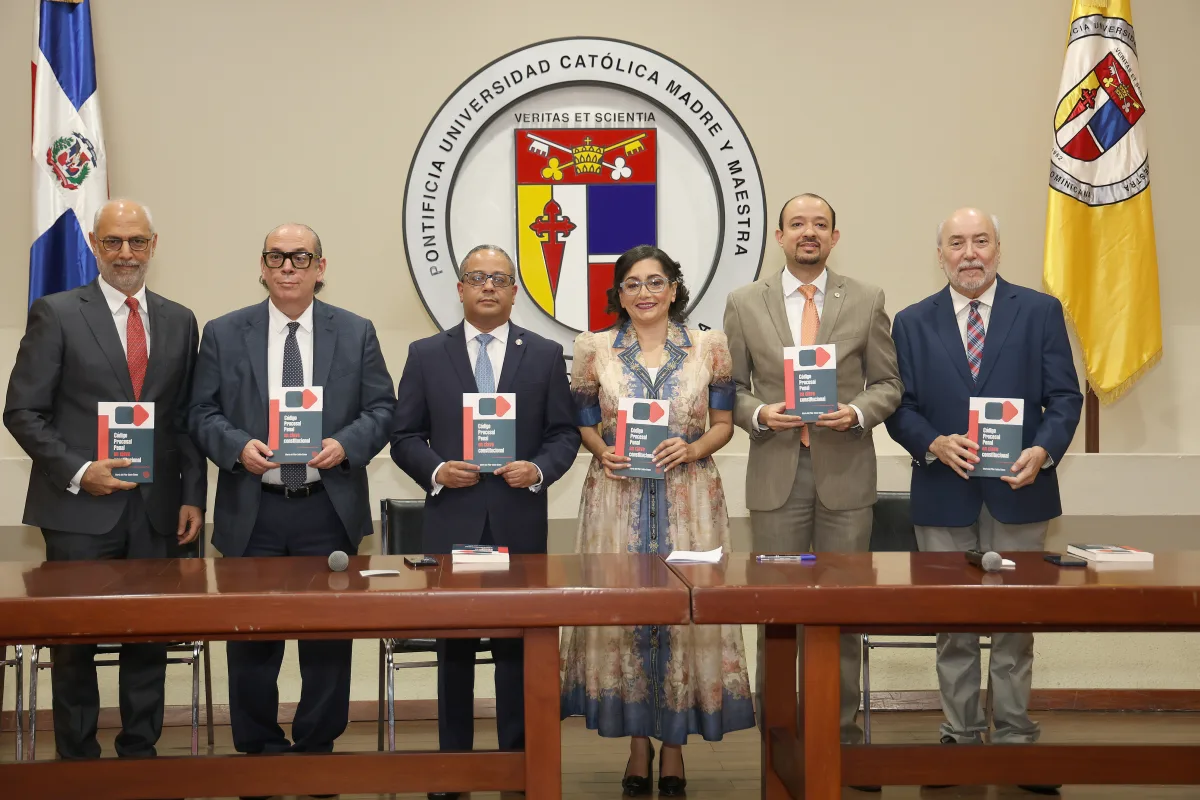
column 121, row 208
column 969, row 250
column 316, row 240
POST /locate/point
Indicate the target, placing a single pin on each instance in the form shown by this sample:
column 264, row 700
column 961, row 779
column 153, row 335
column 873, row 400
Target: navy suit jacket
column 1026, row 354
column 229, row 408
column 427, row 429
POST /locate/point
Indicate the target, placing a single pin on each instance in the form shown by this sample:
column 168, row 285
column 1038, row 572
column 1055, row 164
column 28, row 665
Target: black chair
column 892, row 531
column 400, row 526
column 108, row 655
column 17, row 662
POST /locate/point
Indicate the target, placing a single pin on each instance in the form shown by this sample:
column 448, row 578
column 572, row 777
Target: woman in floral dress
column 660, row 681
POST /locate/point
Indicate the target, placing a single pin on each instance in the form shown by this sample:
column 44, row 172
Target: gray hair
column 145, row 210
column 995, row 227
column 479, row 248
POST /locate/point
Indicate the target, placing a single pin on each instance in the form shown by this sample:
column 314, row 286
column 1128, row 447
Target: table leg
column 543, row 723
column 778, row 709
column 820, row 683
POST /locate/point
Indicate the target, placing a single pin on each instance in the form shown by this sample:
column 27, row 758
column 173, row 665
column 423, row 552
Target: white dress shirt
column 120, row 313
column 496, row 350
column 277, row 332
column 793, row 303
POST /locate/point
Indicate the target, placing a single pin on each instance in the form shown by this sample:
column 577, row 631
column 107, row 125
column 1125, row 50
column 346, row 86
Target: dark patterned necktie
column 975, row 336
column 292, row 475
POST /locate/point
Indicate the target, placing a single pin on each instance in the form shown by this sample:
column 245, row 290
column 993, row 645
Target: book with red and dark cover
column 995, row 423
column 810, row 381
column 294, row 423
column 642, row 425
column 126, row 430
column 489, row 429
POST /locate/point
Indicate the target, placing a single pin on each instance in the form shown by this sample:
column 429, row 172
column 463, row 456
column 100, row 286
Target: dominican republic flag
column 70, row 172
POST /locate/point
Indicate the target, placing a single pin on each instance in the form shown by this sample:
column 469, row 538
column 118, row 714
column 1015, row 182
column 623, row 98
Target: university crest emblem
column 72, row 159
column 567, row 153
column 1100, row 156
column 584, row 196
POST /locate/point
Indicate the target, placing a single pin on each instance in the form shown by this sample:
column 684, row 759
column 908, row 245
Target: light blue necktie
column 485, row 379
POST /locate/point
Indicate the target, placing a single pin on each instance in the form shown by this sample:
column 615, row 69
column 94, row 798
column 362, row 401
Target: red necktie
column 135, row 347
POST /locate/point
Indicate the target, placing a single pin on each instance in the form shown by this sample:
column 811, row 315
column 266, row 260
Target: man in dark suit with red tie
column 982, row 336
column 108, row 341
column 507, row 508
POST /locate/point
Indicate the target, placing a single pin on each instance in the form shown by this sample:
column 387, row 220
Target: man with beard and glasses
column 108, row 341
column 981, row 336
column 812, row 487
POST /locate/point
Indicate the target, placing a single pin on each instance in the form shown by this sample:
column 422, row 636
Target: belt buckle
column 289, row 493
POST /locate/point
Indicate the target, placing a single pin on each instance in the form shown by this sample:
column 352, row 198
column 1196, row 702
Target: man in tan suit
column 811, row 487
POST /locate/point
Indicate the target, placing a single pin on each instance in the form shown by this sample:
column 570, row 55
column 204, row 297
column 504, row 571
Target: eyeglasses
column 980, row 243
column 301, row 259
column 136, row 243
column 501, row 280
column 656, row 284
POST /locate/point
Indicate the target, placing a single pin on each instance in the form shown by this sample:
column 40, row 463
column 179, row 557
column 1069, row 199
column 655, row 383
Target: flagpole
column 1091, row 422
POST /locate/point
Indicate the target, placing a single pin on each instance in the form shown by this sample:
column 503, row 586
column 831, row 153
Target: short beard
column 125, row 282
column 975, row 285
column 806, row 259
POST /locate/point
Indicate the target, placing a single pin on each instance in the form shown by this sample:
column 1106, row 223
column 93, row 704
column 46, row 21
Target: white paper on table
column 695, row 557
column 375, row 573
column 1006, row 563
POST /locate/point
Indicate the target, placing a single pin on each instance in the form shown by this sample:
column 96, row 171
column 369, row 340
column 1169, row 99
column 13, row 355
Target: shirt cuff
column 754, row 419
column 77, row 481
column 1049, row 462
column 537, row 487
column 858, row 412
column 434, row 486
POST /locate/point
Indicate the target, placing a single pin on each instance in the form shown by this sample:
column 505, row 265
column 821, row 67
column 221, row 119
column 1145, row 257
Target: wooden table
column 931, row 592
column 291, row 598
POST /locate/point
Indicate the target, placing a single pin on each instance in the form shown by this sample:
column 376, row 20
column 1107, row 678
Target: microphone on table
column 988, row 562
column 338, row 561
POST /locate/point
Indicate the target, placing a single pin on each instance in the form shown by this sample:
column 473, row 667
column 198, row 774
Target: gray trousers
column 1011, row 662
column 801, row 525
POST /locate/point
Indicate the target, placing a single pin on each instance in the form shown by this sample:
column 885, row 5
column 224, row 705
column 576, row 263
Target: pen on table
column 790, row 557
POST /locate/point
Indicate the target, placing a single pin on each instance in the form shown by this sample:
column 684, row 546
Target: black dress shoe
column 670, row 785
column 1037, row 788
column 443, row 795
column 636, row 785
column 868, row 788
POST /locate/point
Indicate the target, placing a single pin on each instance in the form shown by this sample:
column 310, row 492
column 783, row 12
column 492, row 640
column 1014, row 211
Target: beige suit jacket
column 854, row 319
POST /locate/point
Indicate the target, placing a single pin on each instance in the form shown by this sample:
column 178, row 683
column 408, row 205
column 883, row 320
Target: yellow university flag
column 1100, row 256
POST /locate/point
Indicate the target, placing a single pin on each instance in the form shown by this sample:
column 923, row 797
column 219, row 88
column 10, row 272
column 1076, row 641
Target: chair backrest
column 892, row 527
column 400, row 526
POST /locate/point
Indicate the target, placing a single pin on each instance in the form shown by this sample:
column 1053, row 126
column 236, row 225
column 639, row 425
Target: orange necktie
column 810, row 322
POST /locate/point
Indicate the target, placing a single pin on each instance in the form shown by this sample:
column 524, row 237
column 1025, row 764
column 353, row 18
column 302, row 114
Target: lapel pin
column 837, row 294
column 519, row 342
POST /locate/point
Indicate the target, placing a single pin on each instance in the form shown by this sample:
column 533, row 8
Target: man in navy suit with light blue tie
column 508, row 508
column 291, row 339
column 981, row 336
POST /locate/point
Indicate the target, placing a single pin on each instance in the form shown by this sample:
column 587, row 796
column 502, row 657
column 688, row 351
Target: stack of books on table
column 1112, row 556
column 478, row 557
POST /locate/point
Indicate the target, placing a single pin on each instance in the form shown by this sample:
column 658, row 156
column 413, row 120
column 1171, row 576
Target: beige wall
column 230, row 116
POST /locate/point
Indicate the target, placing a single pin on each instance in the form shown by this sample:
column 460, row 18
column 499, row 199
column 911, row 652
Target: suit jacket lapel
column 160, row 334
column 776, row 310
column 100, row 319
column 456, row 350
column 835, row 294
column 256, row 346
column 1004, row 313
column 947, row 328
column 512, row 358
column 324, row 342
